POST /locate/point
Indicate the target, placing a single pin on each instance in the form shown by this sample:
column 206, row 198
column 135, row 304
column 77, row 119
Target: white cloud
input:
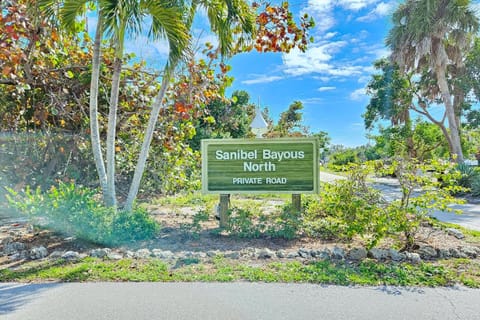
column 317, row 59
column 355, row 4
column 323, row 89
column 358, row 94
column 381, row 10
column 262, row 79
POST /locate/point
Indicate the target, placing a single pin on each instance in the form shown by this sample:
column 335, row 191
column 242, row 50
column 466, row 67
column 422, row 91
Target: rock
column 395, row 255
column 281, row 254
column 114, row 256
column 160, row 254
column 100, row 253
column 212, row 253
column 13, row 247
column 129, row 254
column 444, row 253
column 56, row 254
column 324, row 254
column 71, row 255
column 413, row 257
column 6, row 240
column 265, row 253
column 357, row 254
column 19, row 255
column 469, row 251
column 456, row 233
column 455, row 253
column 292, row 254
column 338, row 253
column 427, row 252
column 235, row 255
column 379, row 254
column 143, row 254
column 38, row 253
column 304, row 253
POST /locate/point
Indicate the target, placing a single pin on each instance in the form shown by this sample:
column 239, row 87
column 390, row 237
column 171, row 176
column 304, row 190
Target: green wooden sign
column 260, row 166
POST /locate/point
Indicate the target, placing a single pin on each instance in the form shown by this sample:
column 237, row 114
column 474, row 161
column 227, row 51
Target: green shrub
column 194, row 228
column 75, row 211
column 468, row 175
column 244, row 223
column 475, row 188
column 349, row 208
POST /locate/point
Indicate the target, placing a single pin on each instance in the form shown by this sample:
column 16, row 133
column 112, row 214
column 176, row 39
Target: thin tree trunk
column 147, row 139
column 451, row 117
column 93, row 107
column 110, row 197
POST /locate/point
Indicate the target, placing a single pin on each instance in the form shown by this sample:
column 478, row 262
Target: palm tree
column 224, row 16
column 116, row 18
column 434, row 35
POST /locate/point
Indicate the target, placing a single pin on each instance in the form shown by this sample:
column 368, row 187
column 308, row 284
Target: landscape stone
column 304, row 253
column 281, row 254
column 13, row 247
column 160, row 254
column 143, row 254
column 379, row 254
column 6, row 240
column 56, row 254
column 395, row 255
column 38, row 253
column 232, row 255
column 444, row 253
column 100, row 253
column 19, row 255
column 469, row 251
column 427, row 252
column 456, row 233
column 413, row 257
column 455, row 253
column 324, row 254
column 265, row 253
column 115, row 256
column 292, row 254
column 338, row 253
column 357, row 254
column 129, row 254
column 71, row 255
column 212, row 253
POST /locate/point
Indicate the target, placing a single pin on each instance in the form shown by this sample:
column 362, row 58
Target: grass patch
column 219, row 269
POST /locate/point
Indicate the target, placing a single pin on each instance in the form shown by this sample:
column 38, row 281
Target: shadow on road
column 14, row 296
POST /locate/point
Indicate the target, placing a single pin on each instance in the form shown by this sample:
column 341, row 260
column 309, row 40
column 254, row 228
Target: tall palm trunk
column 456, row 144
column 110, row 196
column 93, row 108
column 147, row 140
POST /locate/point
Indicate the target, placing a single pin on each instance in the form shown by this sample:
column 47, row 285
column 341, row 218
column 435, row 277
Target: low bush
column 75, row 211
column 244, row 223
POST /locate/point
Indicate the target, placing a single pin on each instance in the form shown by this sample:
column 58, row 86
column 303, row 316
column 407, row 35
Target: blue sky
column 330, row 78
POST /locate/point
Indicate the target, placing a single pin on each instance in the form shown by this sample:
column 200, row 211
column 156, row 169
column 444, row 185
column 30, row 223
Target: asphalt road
column 138, row 301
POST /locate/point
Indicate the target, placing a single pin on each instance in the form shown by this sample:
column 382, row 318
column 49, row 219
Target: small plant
column 75, row 211
column 243, row 223
column 349, row 208
column 425, row 187
column 468, row 175
column 475, row 188
column 194, row 228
